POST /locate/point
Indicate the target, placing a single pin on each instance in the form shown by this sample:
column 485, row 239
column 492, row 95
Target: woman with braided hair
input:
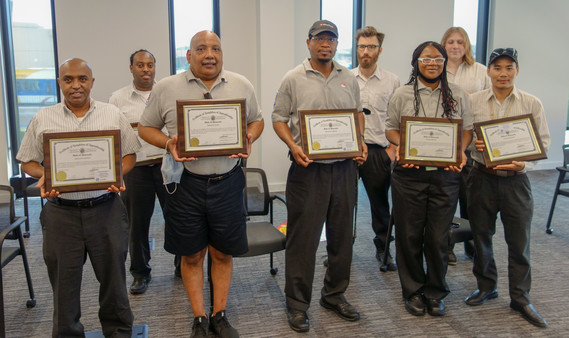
column 425, row 198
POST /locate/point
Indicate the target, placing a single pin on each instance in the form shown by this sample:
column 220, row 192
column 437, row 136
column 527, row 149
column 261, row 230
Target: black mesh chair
column 263, row 237
column 563, row 178
column 10, row 229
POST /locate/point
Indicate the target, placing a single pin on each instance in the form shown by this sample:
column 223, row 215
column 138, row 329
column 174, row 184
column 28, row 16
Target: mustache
column 209, row 62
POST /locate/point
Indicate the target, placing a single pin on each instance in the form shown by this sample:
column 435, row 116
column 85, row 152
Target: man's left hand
column 515, row 165
column 361, row 159
column 249, row 143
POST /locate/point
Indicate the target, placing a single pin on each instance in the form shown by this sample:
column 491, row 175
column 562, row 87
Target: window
column 30, row 64
column 340, row 12
column 466, row 16
column 187, row 17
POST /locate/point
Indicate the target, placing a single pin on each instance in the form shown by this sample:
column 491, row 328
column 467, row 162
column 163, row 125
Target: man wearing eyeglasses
column 376, row 87
column 317, row 191
column 206, row 211
column 503, row 189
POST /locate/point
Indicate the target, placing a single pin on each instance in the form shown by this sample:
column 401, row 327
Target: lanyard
column 491, row 105
column 438, row 101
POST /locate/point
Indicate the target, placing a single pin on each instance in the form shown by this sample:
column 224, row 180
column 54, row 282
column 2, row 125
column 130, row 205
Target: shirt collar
column 222, row 77
column 92, row 106
column 377, row 73
column 515, row 93
column 420, row 85
column 308, row 66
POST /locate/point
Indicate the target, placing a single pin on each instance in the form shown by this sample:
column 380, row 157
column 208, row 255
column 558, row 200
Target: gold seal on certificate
column 510, row 139
column 434, row 142
column 148, row 153
column 211, row 127
column 82, row 161
column 330, row 134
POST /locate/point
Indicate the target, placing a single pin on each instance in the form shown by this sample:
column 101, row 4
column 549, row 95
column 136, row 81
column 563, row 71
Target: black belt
column 215, row 177
column 501, row 173
column 84, row 203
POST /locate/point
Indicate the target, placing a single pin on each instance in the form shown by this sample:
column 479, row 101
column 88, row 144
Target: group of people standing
column 205, row 212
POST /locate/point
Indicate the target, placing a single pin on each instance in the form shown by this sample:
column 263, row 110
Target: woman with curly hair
column 425, row 198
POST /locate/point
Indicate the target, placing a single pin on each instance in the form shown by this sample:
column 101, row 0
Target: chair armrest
column 565, row 169
column 281, row 198
column 7, row 230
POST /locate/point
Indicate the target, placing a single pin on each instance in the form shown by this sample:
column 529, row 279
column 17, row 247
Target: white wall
column 406, row 24
column 106, row 32
column 538, row 30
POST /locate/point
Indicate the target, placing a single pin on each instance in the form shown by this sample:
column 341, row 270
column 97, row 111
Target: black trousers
column 143, row 184
column 423, row 206
column 512, row 198
column 69, row 235
column 376, row 176
column 316, row 194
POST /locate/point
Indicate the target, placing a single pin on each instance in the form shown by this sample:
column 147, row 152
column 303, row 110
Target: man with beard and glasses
column 425, row 198
column 144, row 180
column 317, row 191
column 376, row 87
column 206, row 212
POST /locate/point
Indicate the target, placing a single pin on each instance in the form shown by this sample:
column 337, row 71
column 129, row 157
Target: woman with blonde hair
column 462, row 69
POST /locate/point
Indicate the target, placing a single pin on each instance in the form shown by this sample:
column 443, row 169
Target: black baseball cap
column 323, row 26
column 512, row 53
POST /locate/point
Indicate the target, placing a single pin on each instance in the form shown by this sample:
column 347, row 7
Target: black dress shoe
column 435, row 307
column 452, row 260
column 390, row 264
column 345, row 310
column 529, row 313
column 139, row 285
column 415, row 306
column 480, row 297
column 298, row 320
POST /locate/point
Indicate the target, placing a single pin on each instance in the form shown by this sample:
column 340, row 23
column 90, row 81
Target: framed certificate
column 330, row 134
column 426, row 141
column 211, row 127
column 148, row 154
column 510, row 139
column 82, row 161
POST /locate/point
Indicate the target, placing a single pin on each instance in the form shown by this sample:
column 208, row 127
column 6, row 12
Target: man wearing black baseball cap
column 317, row 191
column 503, row 189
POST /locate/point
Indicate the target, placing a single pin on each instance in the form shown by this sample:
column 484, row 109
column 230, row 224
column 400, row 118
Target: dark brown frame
column 329, row 156
column 480, row 135
column 183, row 152
column 430, row 163
column 145, row 162
column 48, row 161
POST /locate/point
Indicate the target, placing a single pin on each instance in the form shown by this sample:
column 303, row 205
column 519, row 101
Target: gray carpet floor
column 256, row 299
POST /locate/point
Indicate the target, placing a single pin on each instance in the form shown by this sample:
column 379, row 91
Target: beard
column 370, row 62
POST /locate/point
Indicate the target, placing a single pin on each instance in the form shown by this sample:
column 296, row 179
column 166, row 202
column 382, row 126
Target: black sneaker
column 200, row 327
column 220, row 325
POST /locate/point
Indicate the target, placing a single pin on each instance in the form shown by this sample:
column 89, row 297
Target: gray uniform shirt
column 161, row 109
column 305, row 88
column 58, row 118
column 401, row 104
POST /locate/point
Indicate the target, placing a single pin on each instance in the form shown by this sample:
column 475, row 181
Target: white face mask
column 171, row 171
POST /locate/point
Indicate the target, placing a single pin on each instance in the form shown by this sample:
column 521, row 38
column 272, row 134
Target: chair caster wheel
column 26, row 234
column 274, row 271
column 549, row 231
column 383, row 268
column 31, row 303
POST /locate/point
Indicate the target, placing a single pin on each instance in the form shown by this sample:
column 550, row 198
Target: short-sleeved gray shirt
column 401, row 104
column 161, row 109
column 305, row 88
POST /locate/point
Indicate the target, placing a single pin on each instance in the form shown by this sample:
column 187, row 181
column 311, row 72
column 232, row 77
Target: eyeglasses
column 320, row 40
column 370, row 47
column 430, row 61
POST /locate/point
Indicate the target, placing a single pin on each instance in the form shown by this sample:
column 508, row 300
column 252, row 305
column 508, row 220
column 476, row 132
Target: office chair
column 558, row 191
column 262, row 236
column 10, row 227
